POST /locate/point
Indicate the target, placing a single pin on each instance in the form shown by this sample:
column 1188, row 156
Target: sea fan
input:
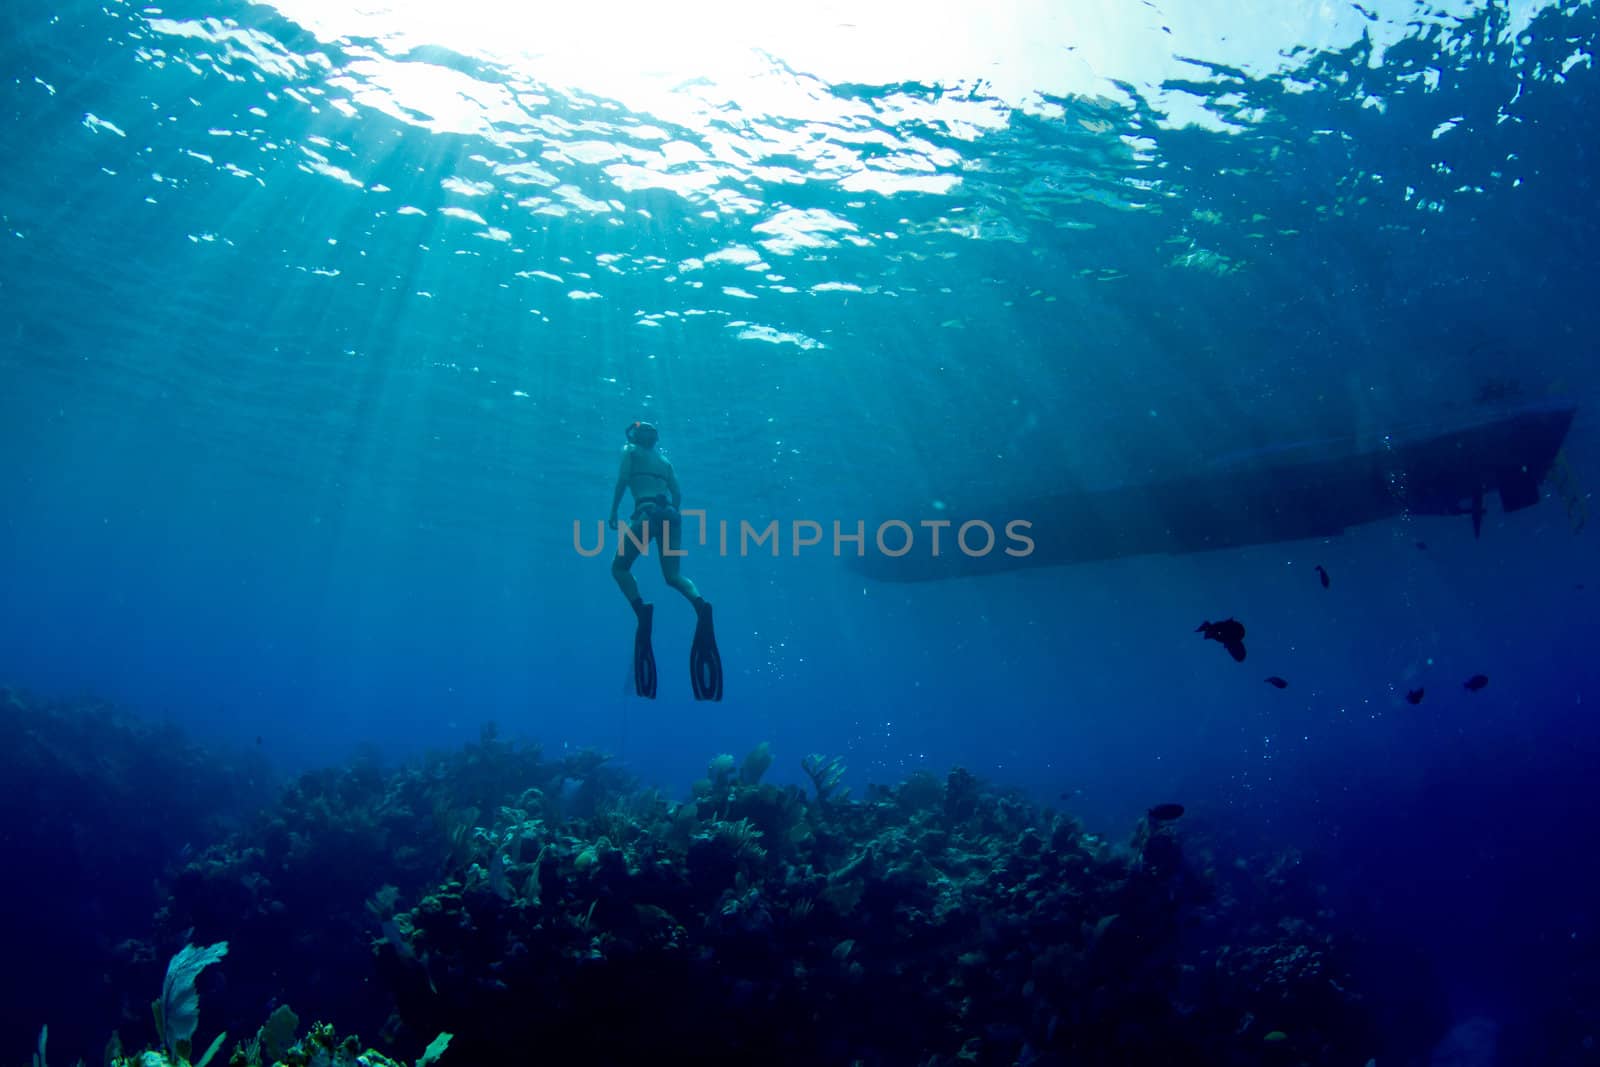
column 178, row 1010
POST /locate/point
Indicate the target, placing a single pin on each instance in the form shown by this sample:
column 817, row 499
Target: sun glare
column 699, row 62
column 758, row 59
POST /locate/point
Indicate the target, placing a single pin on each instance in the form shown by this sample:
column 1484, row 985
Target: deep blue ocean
column 323, row 323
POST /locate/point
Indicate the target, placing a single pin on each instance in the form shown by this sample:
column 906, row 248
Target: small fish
column 1422, row 546
column 1165, row 812
column 1229, row 633
column 1475, row 683
column 1413, row 696
column 1322, row 575
column 1277, row 683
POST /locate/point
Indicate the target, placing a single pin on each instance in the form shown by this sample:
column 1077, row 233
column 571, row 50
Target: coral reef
column 934, row 923
column 177, row 1013
column 97, row 805
column 301, row 890
column 554, row 910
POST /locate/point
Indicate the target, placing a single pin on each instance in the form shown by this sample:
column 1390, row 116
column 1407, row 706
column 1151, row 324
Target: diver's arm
column 622, row 483
column 672, row 486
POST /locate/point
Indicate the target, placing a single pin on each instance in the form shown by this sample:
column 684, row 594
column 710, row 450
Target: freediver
column 656, row 499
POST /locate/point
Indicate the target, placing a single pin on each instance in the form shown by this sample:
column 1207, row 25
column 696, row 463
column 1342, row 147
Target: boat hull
column 1253, row 503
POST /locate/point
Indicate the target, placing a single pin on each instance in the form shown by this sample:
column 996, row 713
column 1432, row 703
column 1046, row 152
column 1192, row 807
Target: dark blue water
column 322, row 329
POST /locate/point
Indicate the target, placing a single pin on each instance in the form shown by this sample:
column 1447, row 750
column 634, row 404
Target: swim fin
column 705, row 662
column 644, row 658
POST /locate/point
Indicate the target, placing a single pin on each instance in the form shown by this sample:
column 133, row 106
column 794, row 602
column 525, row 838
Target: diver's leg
column 705, row 662
column 621, row 563
column 644, row 659
column 671, row 570
column 670, row 537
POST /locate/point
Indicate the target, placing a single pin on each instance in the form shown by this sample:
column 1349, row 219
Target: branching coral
column 825, row 775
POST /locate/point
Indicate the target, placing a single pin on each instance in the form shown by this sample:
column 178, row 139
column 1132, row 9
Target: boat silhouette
column 1288, row 493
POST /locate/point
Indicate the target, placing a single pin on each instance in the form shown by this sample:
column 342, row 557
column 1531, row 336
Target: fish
column 1413, row 696
column 1475, row 683
column 1422, row 546
column 1165, row 812
column 1277, row 683
column 1229, row 633
column 1322, row 575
